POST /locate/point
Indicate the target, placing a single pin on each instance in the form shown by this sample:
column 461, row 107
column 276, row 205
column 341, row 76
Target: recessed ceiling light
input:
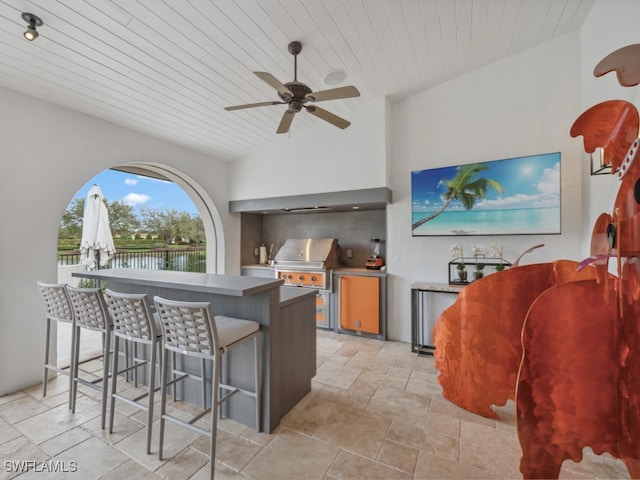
column 334, row 77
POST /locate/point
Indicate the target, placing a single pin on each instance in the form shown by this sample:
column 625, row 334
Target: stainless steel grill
column 306, row 262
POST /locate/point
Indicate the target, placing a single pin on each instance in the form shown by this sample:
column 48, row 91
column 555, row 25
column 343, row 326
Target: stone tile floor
column 375, row 411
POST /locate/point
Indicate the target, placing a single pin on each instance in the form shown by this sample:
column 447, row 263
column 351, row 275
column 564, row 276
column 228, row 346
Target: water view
column 537, row 221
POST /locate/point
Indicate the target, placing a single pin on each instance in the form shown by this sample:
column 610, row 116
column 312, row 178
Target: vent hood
column 349, row 200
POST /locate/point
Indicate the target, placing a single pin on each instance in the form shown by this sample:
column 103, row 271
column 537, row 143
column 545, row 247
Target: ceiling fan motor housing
column 294, row 47
column 299, row 90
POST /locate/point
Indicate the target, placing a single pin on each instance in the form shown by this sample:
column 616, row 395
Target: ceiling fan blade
column 252, row 105
column 274, row 82
column 285, row 123
column 328, row 116
column 333, row 94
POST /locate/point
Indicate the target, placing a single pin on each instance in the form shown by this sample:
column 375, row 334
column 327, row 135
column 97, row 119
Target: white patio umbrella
column 97, row 241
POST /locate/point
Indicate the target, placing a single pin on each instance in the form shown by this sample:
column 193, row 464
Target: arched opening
column 212, row 222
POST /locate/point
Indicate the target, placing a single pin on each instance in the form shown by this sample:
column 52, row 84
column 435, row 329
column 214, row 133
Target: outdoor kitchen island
column 287, row 325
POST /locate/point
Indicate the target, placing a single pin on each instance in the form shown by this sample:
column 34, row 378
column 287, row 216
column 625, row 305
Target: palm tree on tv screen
column 465, row 187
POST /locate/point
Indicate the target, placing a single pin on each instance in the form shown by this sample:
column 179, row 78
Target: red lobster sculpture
column 562, row 338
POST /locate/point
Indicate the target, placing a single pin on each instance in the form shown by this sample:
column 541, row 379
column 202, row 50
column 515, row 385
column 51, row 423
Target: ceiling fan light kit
column 296, row 95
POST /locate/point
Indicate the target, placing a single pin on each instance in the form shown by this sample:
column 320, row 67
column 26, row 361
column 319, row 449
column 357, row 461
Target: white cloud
column 521, row 200
column 130, row 181
column 506, row 202
column 134, row 199
column 425, row 206
column 550, row 180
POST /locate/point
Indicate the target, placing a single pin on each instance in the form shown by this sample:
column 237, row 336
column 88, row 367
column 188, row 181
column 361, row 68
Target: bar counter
column 287, row 325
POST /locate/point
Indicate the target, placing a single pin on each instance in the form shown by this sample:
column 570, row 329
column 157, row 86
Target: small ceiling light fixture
column 34, row 21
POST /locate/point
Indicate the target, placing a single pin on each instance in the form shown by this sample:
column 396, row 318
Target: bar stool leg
column 174, row 386
column 72, row 361
column 163, row 396
column 135, row 370
column 114, row 381
column 75, row 356
column 105, row 378
column 47, row 338
column 215, row 392
column 203, row 380
column 152, row 387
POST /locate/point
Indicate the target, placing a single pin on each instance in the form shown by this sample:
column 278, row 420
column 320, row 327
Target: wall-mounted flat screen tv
column 514, row 196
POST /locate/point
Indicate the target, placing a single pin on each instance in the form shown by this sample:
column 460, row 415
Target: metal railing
column 184, row 260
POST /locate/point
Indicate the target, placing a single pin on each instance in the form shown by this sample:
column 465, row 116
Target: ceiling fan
column 296, row 95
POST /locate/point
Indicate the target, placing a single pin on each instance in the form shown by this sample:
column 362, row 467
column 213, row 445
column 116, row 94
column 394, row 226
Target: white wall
column 610, row 26
column 522, row 105
column 323, row 159
column 47, row 154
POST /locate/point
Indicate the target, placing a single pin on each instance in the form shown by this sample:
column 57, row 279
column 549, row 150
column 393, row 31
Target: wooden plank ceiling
column 169, row 67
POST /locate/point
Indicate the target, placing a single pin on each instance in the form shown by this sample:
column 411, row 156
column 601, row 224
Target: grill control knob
column 301, row 278
column 313, row 278
column 289, row 276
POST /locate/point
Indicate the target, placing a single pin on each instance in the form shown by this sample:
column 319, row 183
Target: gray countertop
column 336, row 271
column 290, row 295
column 437, row 287
column 365, row 272
column 234, row 285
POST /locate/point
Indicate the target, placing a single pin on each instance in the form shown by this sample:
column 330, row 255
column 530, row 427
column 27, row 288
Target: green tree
column 196, row 230
column 169, row 225
column 122, row 219
column 465, row 187
column 71, row 224
column 190, row 228
column 164, row 224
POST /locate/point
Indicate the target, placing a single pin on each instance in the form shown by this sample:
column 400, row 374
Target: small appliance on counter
column 375, row 261
column 263, row 255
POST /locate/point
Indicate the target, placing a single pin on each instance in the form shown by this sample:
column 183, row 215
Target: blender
column 375, row 261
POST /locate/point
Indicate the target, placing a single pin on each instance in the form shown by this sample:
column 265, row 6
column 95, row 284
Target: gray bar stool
column 134, row 322
column 58, row 309
column 191, row 330
column 91, row 313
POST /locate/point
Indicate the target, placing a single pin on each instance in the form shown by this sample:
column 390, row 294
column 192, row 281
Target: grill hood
column 317, row 253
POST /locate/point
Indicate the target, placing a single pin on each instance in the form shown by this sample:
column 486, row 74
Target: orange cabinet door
column 360, row 303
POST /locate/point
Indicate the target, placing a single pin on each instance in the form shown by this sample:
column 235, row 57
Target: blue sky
column 529, row 182
column 137, row 191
